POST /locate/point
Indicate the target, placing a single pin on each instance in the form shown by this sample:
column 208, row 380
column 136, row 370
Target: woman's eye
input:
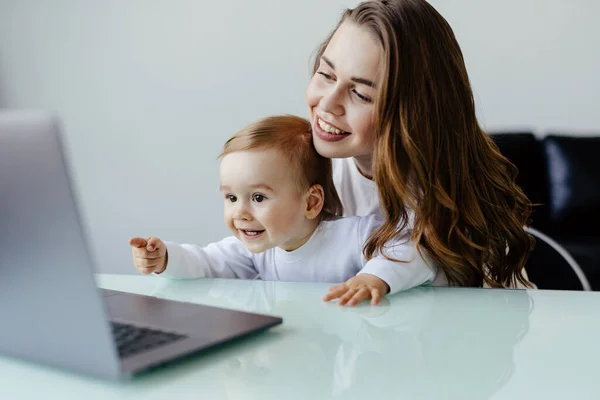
column 363, row 98
column 231, row 198
column 258, row 198
column 327, row 76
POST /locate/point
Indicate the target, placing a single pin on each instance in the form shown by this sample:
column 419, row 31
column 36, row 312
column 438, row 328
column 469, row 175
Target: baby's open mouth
column 248, row 232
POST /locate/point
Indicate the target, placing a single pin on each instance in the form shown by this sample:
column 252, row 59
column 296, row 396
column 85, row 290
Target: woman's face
column 340, row 95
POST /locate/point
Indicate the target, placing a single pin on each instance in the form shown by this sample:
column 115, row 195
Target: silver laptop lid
column 50, row 308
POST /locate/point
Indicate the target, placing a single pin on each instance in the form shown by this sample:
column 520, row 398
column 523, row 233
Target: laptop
column 51, row 310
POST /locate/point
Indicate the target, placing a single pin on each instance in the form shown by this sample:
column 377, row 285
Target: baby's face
column 263, row 206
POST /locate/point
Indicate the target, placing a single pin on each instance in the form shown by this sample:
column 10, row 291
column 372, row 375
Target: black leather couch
column 562, row 174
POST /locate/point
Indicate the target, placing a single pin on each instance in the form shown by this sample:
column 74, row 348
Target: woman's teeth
column 328, row 128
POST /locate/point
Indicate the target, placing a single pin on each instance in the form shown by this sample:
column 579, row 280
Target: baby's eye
column 231, row 198
column 258, row 198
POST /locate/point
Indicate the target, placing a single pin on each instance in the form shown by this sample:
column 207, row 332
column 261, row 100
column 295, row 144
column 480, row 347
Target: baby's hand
column 149, row 255
column 358, row 288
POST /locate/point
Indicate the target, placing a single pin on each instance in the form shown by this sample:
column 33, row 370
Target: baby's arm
column 413, row 268
column 380, row 276
column 227, row 258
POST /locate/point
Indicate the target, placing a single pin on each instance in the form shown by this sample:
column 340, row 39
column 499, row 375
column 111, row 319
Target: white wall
column 533, row 64
column 149, row 90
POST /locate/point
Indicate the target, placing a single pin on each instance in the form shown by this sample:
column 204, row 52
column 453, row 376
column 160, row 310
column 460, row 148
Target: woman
column 390, row 100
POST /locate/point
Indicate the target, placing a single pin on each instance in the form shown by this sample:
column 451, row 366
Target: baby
column 285, row 215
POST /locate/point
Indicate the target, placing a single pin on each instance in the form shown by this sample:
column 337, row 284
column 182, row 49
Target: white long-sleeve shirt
column 359, row 196
column 333, row 254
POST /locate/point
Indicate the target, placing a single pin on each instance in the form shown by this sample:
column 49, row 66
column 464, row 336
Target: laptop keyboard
column 133, row 339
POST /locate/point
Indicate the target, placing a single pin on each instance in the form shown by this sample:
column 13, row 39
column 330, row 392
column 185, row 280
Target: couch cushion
column 574, row 180
column 586, row 251
column 549, row 270
column 527, row 153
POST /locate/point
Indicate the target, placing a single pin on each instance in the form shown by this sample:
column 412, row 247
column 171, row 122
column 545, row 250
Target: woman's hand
column 358, row 288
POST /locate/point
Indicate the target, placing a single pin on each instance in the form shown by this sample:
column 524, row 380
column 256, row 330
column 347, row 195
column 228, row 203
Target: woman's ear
column 315, row 199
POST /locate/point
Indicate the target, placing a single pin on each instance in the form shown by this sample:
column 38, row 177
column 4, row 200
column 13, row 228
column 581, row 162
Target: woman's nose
column 331, row 102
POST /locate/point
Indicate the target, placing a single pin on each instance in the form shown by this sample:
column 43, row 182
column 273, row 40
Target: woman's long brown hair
column 432, row 157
